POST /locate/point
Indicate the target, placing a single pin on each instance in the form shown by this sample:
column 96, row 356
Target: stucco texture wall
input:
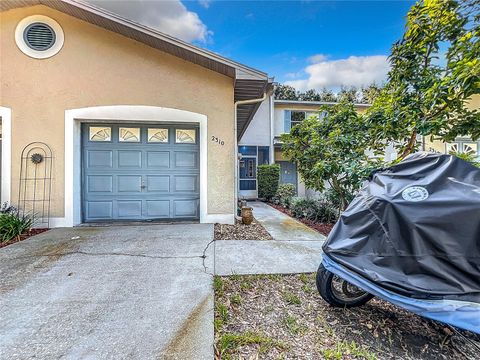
column 97, row 67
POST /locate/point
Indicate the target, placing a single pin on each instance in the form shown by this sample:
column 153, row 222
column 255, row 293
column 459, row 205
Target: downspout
column 236, row 182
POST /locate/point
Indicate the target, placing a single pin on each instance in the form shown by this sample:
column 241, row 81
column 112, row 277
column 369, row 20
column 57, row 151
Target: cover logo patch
column 415, row 194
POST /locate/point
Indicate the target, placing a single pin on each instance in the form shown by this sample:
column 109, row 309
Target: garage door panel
column 100, row 209
column 186, row 183
column 99, row 158
column 100, row 183
column 158, row 208
column 185, row 208
column 129, row 183
column 158, row 159
column 186, row 159
column 129, row 209
column 158, row 183
column 156, row 179
column 129, row 159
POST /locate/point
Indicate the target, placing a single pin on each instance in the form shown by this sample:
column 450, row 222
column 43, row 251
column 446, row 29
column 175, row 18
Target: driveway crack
column 204, row 256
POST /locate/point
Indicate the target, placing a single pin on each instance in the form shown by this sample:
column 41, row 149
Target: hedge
column 268, row 177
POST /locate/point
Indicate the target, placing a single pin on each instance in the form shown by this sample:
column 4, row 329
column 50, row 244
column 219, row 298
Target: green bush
column 13, row 224
column 313, row 209
column 331, row 197
column 285, row 193
column 268, row 177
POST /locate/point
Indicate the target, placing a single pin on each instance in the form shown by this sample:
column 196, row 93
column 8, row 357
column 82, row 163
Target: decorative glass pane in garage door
column 158, row 135
column 185, row 136
column 129, row 134
column 100, row 133
column 137, row 174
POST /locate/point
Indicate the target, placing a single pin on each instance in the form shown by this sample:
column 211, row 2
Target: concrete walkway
column 296, row 248
column 281, row 226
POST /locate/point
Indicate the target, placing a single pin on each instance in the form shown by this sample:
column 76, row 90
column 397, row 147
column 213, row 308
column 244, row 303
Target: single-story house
column 104, row 119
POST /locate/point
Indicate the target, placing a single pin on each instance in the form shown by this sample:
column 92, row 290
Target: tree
column 331, row 150
column 285, row 92
column 309, row 95
column 435, row 70
column 327, row 95
column 348, row 94
column 368, row 94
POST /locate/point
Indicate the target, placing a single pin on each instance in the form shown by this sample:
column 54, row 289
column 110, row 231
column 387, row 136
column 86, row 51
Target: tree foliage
column 331, row 150
column 364, row 95
column 435, row 70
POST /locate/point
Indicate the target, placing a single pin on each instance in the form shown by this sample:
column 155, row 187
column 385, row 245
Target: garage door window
column 129, row 134
column 185, row 136
column 97, row 133
column 157, row 135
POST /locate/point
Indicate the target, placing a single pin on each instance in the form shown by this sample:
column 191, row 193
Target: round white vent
column 39, row 36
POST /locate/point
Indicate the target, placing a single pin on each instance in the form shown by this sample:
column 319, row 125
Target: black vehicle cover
column 414, row 229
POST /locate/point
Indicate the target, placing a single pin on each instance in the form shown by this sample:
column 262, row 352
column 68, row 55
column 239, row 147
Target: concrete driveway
column 122, row 292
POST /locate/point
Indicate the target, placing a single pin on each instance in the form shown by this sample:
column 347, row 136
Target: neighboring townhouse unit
column 261, row 142
column 140, row 125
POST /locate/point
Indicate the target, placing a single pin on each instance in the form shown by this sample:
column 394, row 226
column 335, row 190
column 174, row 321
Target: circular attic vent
column 39, row 36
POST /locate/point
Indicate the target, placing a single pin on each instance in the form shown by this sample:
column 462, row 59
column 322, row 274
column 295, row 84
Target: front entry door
column 288, row 173
column 139, row 172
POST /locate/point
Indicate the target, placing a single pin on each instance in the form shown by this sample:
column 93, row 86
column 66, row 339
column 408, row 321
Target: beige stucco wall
column 96, row 68
column 440, row 146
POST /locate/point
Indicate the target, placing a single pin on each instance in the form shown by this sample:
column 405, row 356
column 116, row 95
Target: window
column 185, row 136
column 263, row 155
column 100, row 133
column 157, row 135
column 470, row 148
column 129, row 134
column 39, row 36
column 248, row 150
column 452, row 147
column 298, row 117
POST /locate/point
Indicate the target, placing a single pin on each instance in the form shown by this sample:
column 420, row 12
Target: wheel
column 338, row 292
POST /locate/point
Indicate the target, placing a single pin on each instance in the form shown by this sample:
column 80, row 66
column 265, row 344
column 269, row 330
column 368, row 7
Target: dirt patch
column 322, row 228
column 284, row 317
column 240, row 231
column 31, row 233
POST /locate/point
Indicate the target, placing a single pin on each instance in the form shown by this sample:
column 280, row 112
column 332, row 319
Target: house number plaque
column 218, row 141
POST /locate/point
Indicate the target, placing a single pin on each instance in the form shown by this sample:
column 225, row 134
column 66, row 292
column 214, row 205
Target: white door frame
column 122, row 113
column 6, row 116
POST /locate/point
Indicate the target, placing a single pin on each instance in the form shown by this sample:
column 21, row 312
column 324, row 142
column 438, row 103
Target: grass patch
column 218, row 286
column 230, row 342
column 291, row 298
column 347, row 349
column 292, row 325
column 221, row 316
column 236, row 300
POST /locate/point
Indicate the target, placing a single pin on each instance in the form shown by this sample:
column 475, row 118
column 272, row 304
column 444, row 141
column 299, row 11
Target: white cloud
column 317, row 58
column 170, row 17
column 352, row 71
column 205, row 3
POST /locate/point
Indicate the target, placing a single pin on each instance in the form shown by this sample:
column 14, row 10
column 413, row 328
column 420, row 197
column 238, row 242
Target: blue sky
column 305, row 43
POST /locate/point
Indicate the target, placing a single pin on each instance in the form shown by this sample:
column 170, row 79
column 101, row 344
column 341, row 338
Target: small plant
column 13, row 224
column 469, row 157
column 218, row 286
column 268, row 177
column 291, row 299
column 236, row 299
column 285, row 193
column 348, row 350
column 292, row 325
column 313, row 209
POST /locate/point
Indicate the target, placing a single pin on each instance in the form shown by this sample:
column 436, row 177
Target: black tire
column 325, row 285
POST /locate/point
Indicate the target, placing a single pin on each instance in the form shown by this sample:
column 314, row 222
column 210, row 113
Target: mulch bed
column 31, row 233
column 322, row 228
column 284, row 317
column 240, row 231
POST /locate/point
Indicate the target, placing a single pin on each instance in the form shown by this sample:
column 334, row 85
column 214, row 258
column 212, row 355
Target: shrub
column 268, row 177
column 285, row 193
column 314, row 210
column 13, row 224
